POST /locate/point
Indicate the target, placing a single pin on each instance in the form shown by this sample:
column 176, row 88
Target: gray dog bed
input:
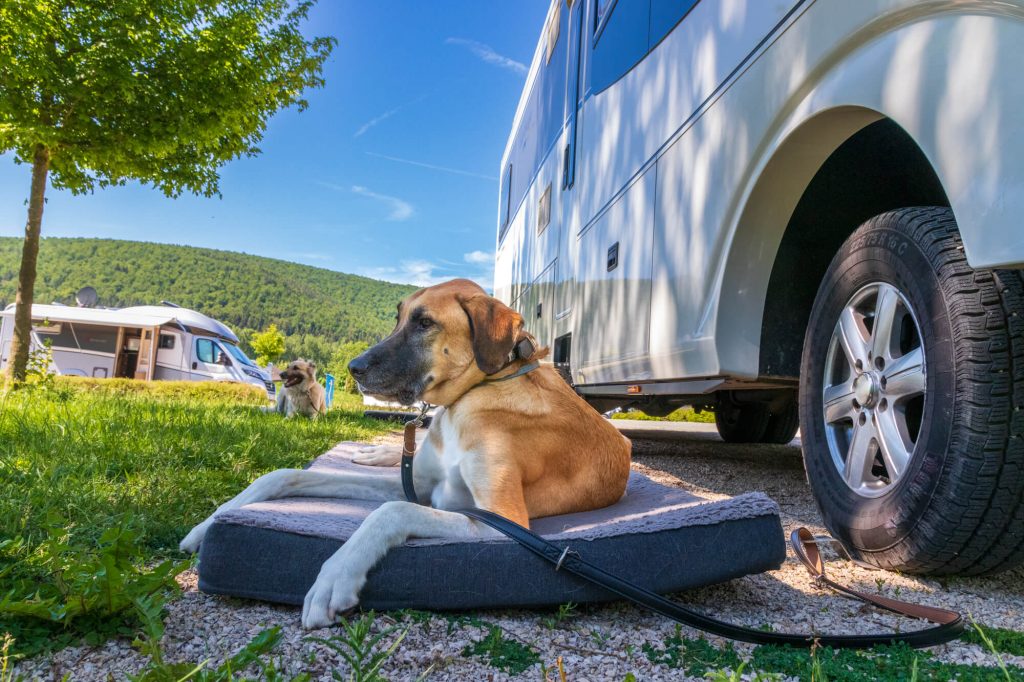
column 663, row 538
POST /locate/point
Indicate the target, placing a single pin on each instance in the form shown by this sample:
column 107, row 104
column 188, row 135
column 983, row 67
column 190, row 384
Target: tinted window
column 207, row 351
column 102, row 339
column 665, row 14
column 620, row 40
column 84, row 337
column 166, row 341
column 506, row 190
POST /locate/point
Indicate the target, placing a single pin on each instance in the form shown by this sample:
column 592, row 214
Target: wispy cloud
column 421, row 273
column 431, row 166
column 374, row 121
column 479, row 257
column 386, row 115
column 487, row 53
column 400, row 209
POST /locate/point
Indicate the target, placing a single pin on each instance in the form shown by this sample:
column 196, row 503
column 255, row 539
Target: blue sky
column 390, row 173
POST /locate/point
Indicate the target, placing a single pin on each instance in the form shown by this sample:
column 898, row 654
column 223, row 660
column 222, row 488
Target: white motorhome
column 798, row 213
column 154, row 342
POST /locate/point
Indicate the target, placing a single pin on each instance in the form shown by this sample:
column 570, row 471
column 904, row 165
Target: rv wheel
column 911, row 401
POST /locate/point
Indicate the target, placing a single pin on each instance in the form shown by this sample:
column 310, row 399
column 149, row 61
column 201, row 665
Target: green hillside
column 313, row 306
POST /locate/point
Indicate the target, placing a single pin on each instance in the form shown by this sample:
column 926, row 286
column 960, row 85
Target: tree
column 165, row 92
column 345, row 354
column 268, row 345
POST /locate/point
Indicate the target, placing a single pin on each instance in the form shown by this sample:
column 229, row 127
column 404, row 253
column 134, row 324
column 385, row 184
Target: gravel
column 595, row 642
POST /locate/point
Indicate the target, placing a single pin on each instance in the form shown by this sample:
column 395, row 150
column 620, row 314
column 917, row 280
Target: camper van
column 155, row 342
column 797, row 213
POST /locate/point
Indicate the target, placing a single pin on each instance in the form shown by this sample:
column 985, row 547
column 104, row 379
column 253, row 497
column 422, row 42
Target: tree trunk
column 22, row 340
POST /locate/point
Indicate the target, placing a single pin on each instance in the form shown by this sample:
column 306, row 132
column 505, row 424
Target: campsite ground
column 613, row 642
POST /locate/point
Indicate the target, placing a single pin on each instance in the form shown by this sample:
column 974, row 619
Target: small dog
column 512, row 438
column 301, row 392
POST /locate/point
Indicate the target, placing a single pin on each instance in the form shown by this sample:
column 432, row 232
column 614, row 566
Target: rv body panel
column 692, row 156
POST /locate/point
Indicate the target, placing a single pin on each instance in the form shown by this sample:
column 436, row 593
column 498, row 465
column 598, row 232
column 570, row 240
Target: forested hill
column 246, row 292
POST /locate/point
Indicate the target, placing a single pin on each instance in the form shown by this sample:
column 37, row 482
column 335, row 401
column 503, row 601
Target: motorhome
column 154, row 342
column 797, row 213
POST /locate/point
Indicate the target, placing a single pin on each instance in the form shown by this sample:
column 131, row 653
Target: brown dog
column 301, row 393
column 513, row 439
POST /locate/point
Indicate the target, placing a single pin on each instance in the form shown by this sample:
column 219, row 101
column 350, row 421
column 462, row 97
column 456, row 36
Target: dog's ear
column 312, row 366
column 493, row 327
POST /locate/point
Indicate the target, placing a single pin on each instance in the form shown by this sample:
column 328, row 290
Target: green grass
column 163, row 457
column 683, row 414
column 153, row 458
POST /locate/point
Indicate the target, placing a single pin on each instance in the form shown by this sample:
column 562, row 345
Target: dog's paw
column 378, row 456
column 325, row 601
column 190, row 545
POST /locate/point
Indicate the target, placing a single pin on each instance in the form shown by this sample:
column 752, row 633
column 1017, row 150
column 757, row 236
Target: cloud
column 479, row 258
column 444, row 169
column 374, row 121
column 400, row 210
column 487, row 53
column 421, row 273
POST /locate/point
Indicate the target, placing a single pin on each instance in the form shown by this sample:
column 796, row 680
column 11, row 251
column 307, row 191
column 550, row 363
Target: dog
column 301, row 393
column 507, row 437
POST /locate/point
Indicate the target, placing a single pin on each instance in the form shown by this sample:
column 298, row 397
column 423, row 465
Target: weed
column 565, row 612
column 996, row 639
column 694, row 656
column 898, row 663
column 990, row 646
column 5, row 660
column 559, row 667
column 727, row 675
column 501, row 653
column 599, row 638
column 360, row 648
column 85, row 593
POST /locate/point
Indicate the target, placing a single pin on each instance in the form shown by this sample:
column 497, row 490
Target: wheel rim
column 874, row 388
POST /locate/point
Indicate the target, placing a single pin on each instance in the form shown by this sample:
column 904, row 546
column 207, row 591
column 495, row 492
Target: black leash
column 949, row 624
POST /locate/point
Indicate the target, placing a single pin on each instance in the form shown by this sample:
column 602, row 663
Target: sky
column 391, row 173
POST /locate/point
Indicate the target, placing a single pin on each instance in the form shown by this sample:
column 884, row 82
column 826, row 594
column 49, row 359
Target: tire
column 783, row 423
column 955, row 506
column 741, row 422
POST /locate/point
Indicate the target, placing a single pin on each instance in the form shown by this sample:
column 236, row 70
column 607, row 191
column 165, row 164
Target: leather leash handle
column 806, row 549
column 408, row 452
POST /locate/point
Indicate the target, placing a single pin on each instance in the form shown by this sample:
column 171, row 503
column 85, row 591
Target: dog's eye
column 426, row 323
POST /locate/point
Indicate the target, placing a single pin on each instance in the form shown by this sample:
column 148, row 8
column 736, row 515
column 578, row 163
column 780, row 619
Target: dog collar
column 525, row 369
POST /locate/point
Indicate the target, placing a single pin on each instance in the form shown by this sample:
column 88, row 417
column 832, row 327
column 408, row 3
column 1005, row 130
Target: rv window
column 620, row 40
column 166, row 341
column 506, row 190
column 665, row 14
column 207, row 351
column 96, row 338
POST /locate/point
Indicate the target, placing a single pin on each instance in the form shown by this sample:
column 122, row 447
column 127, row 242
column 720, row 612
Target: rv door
column 147, row 354
column 209, row 361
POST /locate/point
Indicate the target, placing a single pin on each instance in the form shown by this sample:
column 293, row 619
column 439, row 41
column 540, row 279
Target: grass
column 150, row 459
column 683, row 414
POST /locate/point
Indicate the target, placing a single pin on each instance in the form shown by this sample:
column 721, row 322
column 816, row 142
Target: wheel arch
column 944, row 78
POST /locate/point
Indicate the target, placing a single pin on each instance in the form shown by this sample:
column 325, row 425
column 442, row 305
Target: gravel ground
column 597, row 642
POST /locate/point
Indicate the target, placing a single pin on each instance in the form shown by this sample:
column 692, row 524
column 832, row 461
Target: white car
column 800, row 213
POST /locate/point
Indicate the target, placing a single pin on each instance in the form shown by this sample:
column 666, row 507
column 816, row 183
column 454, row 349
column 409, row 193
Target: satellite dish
column 86, row 297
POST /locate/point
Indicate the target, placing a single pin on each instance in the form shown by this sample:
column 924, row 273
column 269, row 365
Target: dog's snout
column 359, row 366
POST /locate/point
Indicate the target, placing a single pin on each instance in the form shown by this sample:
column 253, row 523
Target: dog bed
column 663, row 538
